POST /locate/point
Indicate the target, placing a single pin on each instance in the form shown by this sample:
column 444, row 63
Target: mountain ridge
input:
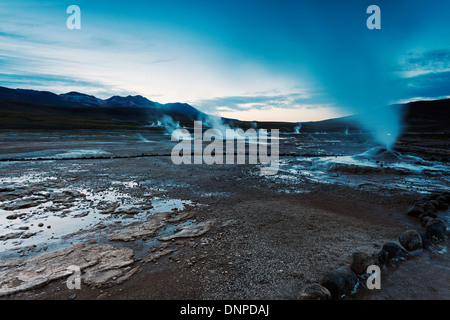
column 27, row 108
column 78, row 99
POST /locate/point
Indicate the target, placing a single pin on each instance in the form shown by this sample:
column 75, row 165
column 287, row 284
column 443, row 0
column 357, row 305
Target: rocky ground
column 140, row 227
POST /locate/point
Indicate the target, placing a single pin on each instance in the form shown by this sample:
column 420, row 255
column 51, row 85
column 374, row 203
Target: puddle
column 37, row 217
column 375, row 168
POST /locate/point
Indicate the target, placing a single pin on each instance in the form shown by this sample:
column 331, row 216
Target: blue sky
column 252, row 60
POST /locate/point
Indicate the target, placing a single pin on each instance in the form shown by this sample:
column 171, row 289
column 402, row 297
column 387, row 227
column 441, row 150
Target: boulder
column 423, row 206
column 392, row 252
column 446, row 197
column 100, row 265
column 415, row 210
column 21, row 204
column 190, row 231
column 315, row 291
column 361, row 260
column 139, row 230
column 436, row 229
column 340, row 282
column 410, row 240
column 442, row 203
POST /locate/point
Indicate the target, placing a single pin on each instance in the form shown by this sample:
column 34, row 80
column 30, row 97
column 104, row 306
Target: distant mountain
column 22, row 108
column 77, row 99
column 427, row 116
column 80, row 99
column 129, row 101
column 184, row 108
column 33, row 96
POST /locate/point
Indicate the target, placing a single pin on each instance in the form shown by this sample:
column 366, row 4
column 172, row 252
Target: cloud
column 58, row 84
column 12, row 35
column 422, row 62
column 260, row 102
column 429, row 85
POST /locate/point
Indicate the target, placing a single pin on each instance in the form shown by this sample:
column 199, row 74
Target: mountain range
column 33, row 109
column 77, row 99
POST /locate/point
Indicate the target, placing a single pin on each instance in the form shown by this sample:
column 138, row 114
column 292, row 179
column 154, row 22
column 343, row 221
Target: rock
column 11, row 235
column 6, row 189
column 74, row 194
column 158, row 254
column 315, row 291
column 425, row 217
column 340, row 282
column 190, row 231
column 11, row 263
column 415, row 210
column 446, row 197
column 427, row 197
column 391, row 252
column 423, row 206
column 72, row 296
column 28, row 235
column 430, row 205
column 58, row 197
column 108, row 208
column 15, row 216
column 411, row 240
column 360, row 261
column 426, row 241
column 21, row 204
column 81, row 215
column 442, row 203
column 141, row 229
column 435, row 204
column 40, row 224
column 98, row 263
column 436, row 229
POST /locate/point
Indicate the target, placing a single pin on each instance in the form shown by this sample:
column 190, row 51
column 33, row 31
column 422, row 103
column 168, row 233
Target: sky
column 260, row 60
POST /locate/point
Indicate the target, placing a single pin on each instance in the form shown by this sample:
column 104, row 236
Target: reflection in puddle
column 37, row 216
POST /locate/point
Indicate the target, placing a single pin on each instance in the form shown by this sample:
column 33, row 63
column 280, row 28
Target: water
column 51, row 212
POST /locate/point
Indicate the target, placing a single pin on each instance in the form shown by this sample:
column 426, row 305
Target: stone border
column 345, row 280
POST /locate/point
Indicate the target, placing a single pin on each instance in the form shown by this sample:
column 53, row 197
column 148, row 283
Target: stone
column 72, row 296
column 415, row 210
column 436, row 229
column 446, row 197
column 11, row 235
column 98, row 263
column 425, row 217
column 15, row 216
column 340, row 282
column 21, row 204
column 190, row 231
column 411, row 240
column 392, row 252
column 139, row 230
column 442, row 203
column 315, row 291
column 108, row 208
column 360, row 261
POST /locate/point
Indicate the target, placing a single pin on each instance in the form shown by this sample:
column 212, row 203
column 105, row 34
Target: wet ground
column 212, row 231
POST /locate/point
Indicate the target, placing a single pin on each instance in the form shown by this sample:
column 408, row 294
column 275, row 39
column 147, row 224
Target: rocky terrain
column 140, row 227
